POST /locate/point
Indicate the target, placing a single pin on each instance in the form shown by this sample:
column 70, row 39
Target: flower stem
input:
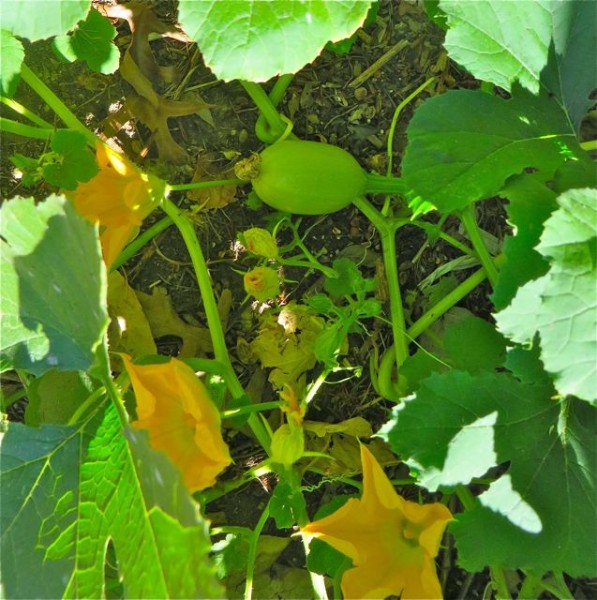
column 197, row 185
column 140, row 241
column 252, row 554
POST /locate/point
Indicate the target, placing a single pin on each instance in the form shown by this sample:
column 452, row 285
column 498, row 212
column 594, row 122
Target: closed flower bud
column 262, row 283
column 288, row 445
column 260, row 242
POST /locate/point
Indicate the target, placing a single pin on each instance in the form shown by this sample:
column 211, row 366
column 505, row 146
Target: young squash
column 308, row 178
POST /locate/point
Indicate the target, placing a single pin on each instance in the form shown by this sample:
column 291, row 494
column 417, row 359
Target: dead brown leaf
column 163, row 320
column 212, row 197
column 139, row 67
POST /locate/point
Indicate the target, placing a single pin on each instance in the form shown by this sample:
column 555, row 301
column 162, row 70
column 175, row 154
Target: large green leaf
column 463, row 145
column 541, row 514
column 53, row 299
column 66, row 491
column 254, row 40
column 562, row 305
column 492, row 39
column 11, row 57
column 543, row 43
column 39, row 19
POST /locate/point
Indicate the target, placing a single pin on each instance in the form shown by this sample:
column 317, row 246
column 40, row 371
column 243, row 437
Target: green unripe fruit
column 308, row 178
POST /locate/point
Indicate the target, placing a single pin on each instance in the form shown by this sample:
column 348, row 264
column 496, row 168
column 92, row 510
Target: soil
column 324, row 104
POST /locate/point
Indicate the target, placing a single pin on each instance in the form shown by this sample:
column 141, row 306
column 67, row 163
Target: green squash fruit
column 308, row 178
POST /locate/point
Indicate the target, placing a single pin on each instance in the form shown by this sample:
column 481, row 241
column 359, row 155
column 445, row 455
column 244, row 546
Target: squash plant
column 96, row 501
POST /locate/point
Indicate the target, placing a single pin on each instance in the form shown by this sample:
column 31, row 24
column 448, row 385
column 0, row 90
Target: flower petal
column 175, row 408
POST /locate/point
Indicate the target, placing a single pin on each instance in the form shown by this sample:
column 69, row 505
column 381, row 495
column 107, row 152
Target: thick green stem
column 276, row 124
column 262, row 129
column 382, row 184
column 500, row 583
column 25, row 112
column 210, row 306
column 387, row 232
column 16, row 128
column 105, row 375
column 50, row 98
column 474, row 233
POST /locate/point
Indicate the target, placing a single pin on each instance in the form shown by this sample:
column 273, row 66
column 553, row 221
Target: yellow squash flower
column 175, row 408
column 392, row 542
column 119, row 197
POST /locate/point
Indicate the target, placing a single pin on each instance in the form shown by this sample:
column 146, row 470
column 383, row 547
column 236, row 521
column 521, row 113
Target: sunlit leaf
column 53, row 298
column 248, row 39
column 530, row 204
column 74, row 163
column 39, row 19
column 539, row 43
column 562, row 305
column 67, row 490
column 11, row 57
column 91, row 42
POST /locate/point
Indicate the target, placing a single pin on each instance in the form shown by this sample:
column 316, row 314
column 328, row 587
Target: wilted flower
column 262, row 283
column 174, row 406
column 391, row 541
column 119, row 197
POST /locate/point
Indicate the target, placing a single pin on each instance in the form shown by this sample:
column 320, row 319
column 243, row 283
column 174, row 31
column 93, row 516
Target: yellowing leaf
column 129, row 330
column 163, row 320
column 285, row 342
column 357, row 426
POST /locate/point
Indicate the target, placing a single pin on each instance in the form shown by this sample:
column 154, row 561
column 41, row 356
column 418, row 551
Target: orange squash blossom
column 119, row 197
column 391, row 541
column 181, row 419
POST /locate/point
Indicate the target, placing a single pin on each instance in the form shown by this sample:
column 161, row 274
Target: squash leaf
column 67, row 491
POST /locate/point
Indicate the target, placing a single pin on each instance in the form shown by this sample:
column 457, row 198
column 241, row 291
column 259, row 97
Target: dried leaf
column 290, row 354
column 163, row 320
column 129, row 330
column 213, row 197
column 139, row 68
column 155, row 116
